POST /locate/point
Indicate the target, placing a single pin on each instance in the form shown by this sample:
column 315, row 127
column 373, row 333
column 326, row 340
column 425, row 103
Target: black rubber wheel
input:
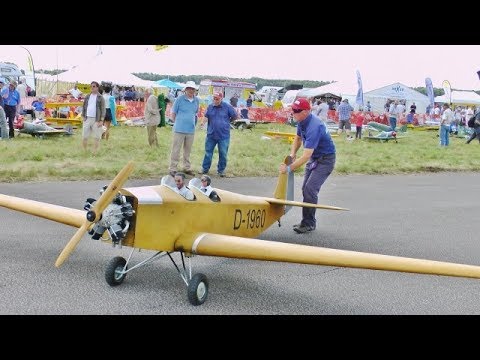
column 113, row 271
column 197, row 289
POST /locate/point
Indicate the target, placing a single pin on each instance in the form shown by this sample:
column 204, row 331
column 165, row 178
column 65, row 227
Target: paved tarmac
column 430, row 216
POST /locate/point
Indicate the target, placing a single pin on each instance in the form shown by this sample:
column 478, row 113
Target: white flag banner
column 359, row 98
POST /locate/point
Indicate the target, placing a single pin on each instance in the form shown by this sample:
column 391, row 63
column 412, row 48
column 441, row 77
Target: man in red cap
column 318, row 155
column 219, row 115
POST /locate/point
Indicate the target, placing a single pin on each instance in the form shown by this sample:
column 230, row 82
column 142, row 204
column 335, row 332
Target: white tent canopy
column 337, row 88
column 460, row 98
column 396, row 91
column 101, row 69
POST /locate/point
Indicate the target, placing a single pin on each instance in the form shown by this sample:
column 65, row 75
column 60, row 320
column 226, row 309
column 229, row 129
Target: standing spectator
column 93, row 113
column 129, row 95
column 392, row 115
column 75, row 92
column 116, row 93
column 39, row 108
column 413, row 108
column 234, row 100
column 152, row 116
column 3, row 90
column 447, row 118
column 468, row 114
column 184, row 115
column 249, row 101
column 162, row 105
column 368, row 107
column 319, row 156
column 436, row 113
column 3, row 125
column 359, row 125
column 11, row 98
column 322, row 110
column 110, row 110
column 22, row 91
column 411, row 117
column 121, row 93
column 344, row 113
column 219, row 115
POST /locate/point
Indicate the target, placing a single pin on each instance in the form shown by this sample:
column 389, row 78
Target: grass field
column 62, row 158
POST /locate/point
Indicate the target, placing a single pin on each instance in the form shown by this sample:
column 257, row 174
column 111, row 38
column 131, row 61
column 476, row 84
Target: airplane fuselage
column 159, row 220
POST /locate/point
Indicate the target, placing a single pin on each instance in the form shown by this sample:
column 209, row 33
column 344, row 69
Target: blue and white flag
column 430, row 94
column 359, row 98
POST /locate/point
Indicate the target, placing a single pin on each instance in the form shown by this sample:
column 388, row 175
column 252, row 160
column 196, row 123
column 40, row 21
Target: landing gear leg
column 197, row 285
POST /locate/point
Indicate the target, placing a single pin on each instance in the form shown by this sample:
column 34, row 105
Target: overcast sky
column 379, row 65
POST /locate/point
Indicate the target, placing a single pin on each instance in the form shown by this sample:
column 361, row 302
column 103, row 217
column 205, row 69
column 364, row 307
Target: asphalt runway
column 422, row 216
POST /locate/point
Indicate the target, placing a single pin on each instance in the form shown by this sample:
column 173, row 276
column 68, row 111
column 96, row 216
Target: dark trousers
column 10, row 113
column 473, row 136
column 358, row 134
column 312, row 182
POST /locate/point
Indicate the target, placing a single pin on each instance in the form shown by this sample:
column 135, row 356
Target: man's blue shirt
column 315, row 136
column 186, row 112
column 219, row 118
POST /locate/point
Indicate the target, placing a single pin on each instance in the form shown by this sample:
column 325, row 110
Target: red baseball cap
column 218, row 94
column 301, row 104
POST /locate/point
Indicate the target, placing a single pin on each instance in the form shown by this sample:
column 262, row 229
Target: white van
column 11, row 72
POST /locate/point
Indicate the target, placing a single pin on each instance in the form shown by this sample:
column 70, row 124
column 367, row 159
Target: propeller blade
column 112, row 190
column 98, row 208
column 72, row 244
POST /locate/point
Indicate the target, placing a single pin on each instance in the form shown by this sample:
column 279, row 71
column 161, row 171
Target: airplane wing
column 51, row 132
column 61, row 214
column 256, row 249
column 302, row 204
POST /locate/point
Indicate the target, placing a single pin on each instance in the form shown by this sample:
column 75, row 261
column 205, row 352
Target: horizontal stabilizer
column 64, row 215
column 255, row 249
column 302, row 204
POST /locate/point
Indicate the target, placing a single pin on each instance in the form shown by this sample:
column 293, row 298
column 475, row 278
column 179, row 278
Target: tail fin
column 284, row 189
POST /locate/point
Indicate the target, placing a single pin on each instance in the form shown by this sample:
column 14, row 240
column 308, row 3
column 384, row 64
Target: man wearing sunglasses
column 318, row 155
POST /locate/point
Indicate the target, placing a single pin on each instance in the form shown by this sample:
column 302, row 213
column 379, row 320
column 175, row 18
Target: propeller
column 95, row 214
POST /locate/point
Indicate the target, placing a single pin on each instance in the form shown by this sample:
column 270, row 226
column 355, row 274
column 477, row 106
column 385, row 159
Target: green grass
column 62, row 158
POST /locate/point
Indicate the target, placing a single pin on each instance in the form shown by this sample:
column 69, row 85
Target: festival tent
column 336, row 90
column 169, row 83
column 101, row 69
column 396, row 91
column 465, row 98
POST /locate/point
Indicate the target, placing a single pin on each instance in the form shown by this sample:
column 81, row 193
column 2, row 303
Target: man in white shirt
column 93, row 113
column 322, row 110
column 447, row 119
column 75, row 92
column 22, row 90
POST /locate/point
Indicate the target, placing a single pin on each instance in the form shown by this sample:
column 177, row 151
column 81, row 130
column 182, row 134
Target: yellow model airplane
column 160, row 219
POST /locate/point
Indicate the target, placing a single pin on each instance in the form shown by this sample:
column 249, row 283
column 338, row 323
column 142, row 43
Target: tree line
column 260, row 82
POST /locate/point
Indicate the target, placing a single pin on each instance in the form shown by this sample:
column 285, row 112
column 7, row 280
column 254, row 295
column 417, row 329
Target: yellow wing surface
column 255, row 249
column 302, row 204
column 61, row 214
